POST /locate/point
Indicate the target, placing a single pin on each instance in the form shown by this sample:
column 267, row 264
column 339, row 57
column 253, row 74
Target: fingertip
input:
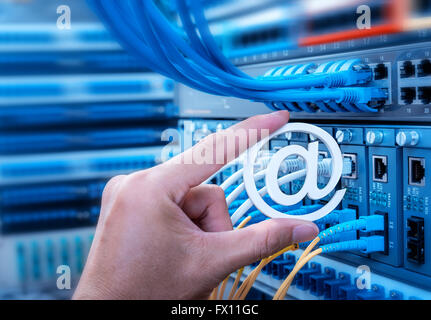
column 304, row 232
column 282, row 115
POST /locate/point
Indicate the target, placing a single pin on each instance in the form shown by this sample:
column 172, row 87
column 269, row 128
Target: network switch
column 402, row 104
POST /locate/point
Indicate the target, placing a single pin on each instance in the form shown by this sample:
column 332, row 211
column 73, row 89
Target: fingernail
column 283, row 113
column 304, row 232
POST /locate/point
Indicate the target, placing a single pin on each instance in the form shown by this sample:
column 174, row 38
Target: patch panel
column 339, row 282
column 414, row 81
column 403, row 103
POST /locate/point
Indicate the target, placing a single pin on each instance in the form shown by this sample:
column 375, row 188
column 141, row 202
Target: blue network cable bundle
column 75, row 110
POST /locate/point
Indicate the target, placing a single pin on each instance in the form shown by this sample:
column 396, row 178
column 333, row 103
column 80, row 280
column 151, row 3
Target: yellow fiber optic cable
column 223, row 287
column 214, row 294
column 302, row 257
column 220, row 294
column 282, row 291
column 249, row 281
column 308, row 249
column 235, row 284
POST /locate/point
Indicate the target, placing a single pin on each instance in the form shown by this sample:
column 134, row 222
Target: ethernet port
column 380, row 169
column 381, row 72
column 407, row 69
column 416, row 171
column 416, row 251
column 416, row 228
column 424, row 94
column 408, row 95
column 353, row 157
column 424, row 68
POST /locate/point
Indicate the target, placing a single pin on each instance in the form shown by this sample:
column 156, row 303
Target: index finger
column 196, row 164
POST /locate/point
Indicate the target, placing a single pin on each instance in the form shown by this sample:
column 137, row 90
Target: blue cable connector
column 364, row 223
column 365, row 244
column 342, row 73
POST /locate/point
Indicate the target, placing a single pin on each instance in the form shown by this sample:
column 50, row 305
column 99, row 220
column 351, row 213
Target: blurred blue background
column 75, row 110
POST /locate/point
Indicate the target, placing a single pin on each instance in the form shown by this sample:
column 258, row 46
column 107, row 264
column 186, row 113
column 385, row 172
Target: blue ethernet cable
column 185, row 67
column 347, row 96
column 207, row 38
column 160, row 22
column 201, row 65
column 137, row 44
column 162, row 15
column 234, row 91
column 113, row 7
column 124, row 32
column 190, row 30
column 362, row 75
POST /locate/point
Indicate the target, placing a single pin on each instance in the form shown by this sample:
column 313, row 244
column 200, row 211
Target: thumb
column 258, row 241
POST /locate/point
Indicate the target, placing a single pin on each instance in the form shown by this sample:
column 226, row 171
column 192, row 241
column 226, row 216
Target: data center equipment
column 388, row 146
column 75, row 110
column 80, row 106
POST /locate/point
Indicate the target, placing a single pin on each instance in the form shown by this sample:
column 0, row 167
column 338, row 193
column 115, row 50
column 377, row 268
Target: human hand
column 163, row 235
